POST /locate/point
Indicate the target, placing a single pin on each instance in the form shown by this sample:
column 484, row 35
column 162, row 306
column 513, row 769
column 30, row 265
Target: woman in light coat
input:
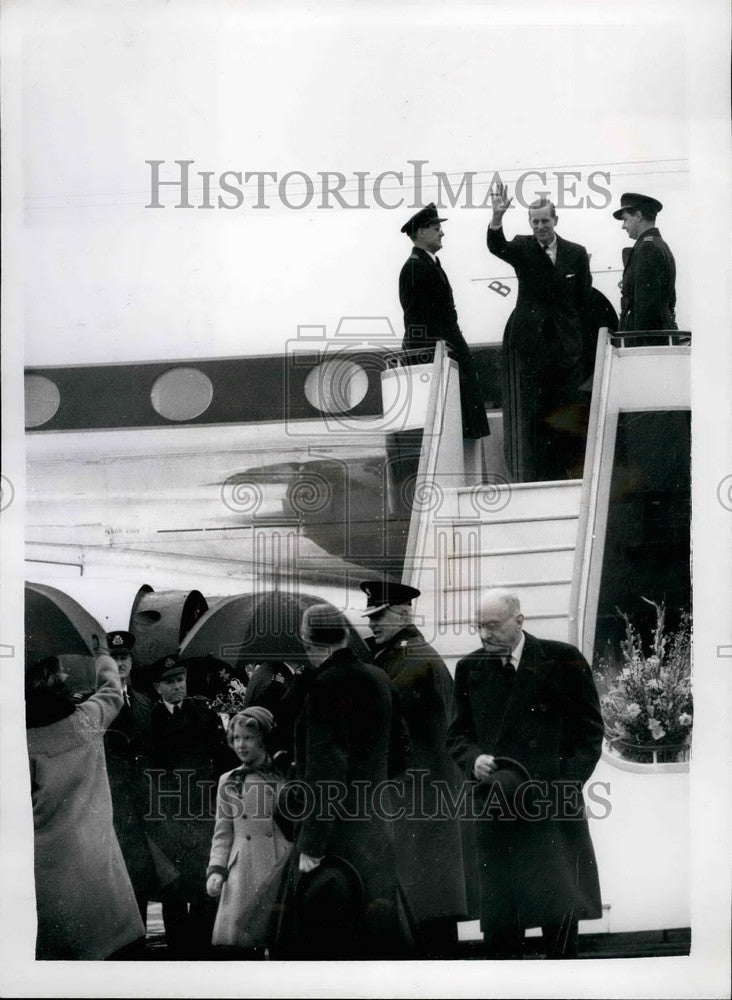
column 85, row 902
column 247, row 843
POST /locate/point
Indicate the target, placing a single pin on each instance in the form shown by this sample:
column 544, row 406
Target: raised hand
column 500, row 201
column 99, row 645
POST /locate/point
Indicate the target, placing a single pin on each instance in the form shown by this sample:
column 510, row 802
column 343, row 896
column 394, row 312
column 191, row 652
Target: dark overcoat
column 126, row 748
column 429, row 852
column 519, row 411
column 536, row 859
column 544, row 357
column 429, row 316
column 546, row 291
column 187, row 754
column 344, row 738
column 648, row 292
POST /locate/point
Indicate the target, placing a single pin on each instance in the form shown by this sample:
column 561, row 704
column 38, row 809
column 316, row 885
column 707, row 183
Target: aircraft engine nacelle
column 160, row 620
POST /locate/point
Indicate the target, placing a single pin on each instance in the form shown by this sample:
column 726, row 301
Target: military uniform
column 430, row 315
column 648, row 290
column 429, row 851
column 187, row 754
column 125, row 748
column 428, row 840
column 648, row 294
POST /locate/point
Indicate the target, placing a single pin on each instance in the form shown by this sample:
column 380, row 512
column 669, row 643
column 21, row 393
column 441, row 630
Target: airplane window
column 181, row 393
column 42, row 399
column 336, row 386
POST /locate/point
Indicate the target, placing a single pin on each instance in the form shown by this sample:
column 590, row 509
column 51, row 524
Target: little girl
column 247, row 843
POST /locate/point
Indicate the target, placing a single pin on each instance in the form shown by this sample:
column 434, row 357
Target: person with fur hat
column 648, row 291
column 247, row 842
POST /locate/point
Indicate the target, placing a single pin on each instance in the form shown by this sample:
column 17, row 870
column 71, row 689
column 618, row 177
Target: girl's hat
column 262, row 716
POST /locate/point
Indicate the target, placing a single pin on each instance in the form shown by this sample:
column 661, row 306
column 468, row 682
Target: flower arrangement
column 648, row 705
column 231, row 699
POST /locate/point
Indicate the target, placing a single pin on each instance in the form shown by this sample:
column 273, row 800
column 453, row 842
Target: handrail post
column 593, row 455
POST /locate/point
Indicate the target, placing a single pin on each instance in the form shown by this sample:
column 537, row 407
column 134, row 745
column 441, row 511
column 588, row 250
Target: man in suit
column 430, row 314
column 429, row 850
column 527, row 728
column 543, row 353
column 188, row 752
column 344, row 736
column 125, row 747
column 648, row 293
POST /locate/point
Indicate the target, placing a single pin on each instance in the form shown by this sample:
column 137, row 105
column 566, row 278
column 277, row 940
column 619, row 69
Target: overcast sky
column 359, row 87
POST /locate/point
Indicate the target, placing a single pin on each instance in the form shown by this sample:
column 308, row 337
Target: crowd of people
column 350, row 810
column 358, row 804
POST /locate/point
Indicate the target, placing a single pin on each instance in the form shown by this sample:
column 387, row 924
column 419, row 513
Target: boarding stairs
column 473, row 529
column 520, row 536
column 546, row 542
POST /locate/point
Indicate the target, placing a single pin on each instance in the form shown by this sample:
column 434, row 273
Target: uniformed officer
column 125, row 746
column 648, row 293
column 430, row 315
column 429, row 851
column 188, row 752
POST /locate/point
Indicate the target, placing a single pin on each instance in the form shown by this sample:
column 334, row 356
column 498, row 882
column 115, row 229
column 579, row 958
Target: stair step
column 521, row 537
column 480, row 568
column 538, row 599
column 554, row 484
column 536, row 586
column 522, row 532
column 487, row 502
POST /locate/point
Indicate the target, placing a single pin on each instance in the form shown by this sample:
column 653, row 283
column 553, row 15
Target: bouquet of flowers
column 231, row 700
column 649, row 703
